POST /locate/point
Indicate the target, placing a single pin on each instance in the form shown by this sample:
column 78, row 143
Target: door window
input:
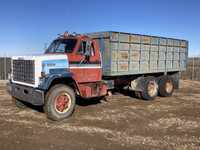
column 81, row 49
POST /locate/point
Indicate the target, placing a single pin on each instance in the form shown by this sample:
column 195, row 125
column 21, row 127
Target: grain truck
column 91, row 64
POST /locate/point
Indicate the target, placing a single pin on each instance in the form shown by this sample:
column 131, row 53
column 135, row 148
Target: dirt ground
column 117, row 122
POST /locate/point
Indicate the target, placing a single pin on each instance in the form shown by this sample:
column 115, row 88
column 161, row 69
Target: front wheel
column 60, row 102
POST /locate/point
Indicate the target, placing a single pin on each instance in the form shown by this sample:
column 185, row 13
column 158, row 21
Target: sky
column 25, row 25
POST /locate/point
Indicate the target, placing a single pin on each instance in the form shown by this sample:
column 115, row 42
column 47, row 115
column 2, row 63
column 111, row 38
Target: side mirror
column 88, row 48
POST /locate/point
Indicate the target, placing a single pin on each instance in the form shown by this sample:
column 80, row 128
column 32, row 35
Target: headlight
column 41, row 81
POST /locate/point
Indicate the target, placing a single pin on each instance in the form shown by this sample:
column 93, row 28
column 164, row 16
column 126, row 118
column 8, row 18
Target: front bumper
column 30, row 95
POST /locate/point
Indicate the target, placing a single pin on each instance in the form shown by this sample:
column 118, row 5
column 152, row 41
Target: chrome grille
column 24, row 71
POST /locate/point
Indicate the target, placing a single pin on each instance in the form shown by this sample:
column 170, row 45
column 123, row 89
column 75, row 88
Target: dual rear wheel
column 152, row 88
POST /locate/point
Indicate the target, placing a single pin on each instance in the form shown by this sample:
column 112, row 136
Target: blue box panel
column 128, row 53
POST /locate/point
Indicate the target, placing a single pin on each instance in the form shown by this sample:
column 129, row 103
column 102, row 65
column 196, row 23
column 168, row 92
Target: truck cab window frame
column 81, row 49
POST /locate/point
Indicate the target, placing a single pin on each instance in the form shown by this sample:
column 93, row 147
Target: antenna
column 66, row 21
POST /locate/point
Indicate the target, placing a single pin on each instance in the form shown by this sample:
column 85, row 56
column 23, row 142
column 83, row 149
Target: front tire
column 60, row 102
column 150, row 88
column 19, row 103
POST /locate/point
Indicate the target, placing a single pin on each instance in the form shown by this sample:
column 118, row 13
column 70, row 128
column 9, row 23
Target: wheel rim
column 62, row 103
column 152, row 89
column 169, row 86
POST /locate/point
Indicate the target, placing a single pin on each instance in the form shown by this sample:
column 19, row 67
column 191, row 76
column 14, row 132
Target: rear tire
column 19, row 103
column 150, row 88
column 60, row 102
column 166, row 86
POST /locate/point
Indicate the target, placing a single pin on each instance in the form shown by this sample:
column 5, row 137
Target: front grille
column 24, row 71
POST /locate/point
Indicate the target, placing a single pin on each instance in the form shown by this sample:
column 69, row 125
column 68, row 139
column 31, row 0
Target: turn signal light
column 66, row 33
column 42, row 74
column 88, row 47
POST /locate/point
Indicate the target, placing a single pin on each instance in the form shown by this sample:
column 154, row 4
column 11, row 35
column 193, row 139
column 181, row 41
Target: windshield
column 62, row 46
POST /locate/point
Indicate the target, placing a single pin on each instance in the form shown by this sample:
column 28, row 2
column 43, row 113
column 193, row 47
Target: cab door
column 86, row 68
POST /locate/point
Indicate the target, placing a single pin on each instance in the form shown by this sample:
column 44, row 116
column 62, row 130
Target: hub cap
column 152, row 88
column 169, row 86
column 62, row 103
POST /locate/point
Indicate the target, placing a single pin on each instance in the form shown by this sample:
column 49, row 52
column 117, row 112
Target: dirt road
column 117, row 122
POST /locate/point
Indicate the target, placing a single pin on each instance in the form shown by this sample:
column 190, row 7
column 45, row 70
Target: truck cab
column 70, row 67
column 83, row 56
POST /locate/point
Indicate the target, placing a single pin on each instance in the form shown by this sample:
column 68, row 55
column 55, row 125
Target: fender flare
column 49, row 80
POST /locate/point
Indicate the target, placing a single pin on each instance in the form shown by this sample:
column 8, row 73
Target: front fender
column 49, row 80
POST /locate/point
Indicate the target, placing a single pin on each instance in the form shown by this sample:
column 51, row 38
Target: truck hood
column 40, row 56
column 48, row 63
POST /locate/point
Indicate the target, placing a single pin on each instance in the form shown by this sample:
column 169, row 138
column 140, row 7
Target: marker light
column 74, row 33
column 66, row 33
column 42, row 74
column 59, row 35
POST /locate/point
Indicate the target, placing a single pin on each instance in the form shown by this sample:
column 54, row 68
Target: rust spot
column 170, row 49
column 114, row 67
column 170, row 42
column 169, row 56
column 177, row 43
column 146, row 66
column 145, row 40
column 123, row 67
column 136, row 47
column 124, row 56
column 153, row 65
column 135, row 56
column 125, row 38
column 183, row 44
column 154, row 56
column 114, row 37
column 114, row 56
column 135, row 40
column 114, row 48
column 146, row 47
column 154, row 48
column 145, row 56
column 134, row 67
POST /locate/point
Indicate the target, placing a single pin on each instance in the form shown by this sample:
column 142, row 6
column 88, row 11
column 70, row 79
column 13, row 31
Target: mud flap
column 137, row 83
column 175, row 77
